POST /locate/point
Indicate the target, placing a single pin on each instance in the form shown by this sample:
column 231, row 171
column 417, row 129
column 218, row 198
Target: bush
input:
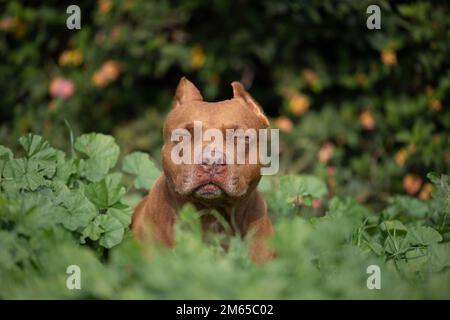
column 370, row 105
column 363, row 116
column 55, row 211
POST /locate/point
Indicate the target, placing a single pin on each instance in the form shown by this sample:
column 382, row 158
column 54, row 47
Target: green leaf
column 102, row 153
column 307, row 199
column 106, row 228
column 391, row 225
column 408, row 206
column 37, row 147
column 140, row 165
column 417, row 259
column 13, row 250
column 76, row 211
column 434, row 177
column 22, row 173
column 305, row 187
column 423, row 236
column 394, row 244
column 376, row 248
column 106, row 192
column 122, row 213
column 93, row 231
column 30, row 172
column 188, row 224
column 32, row 212
column 439, row 256
column 5, row 153
column 64, row 167
column 112, row 231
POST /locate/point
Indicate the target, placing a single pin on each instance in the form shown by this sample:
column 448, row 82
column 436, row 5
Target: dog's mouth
column 209, row 191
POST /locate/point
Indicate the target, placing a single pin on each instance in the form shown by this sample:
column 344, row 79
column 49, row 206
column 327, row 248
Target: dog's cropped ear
column 186, row 91
column 239, row 92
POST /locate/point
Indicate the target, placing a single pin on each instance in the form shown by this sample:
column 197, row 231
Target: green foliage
column 139, row 164
column 101, row 152
column 363, row 116
column 64, row 219
column 44, row 189
column 378, row 97
column 302, row 188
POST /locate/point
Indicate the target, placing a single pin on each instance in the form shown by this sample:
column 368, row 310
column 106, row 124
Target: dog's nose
column 213, row 161
column 213, row 156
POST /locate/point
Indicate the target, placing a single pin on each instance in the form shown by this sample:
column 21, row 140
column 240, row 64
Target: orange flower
column 401, row 156
column 111, row 69
column 107, row 73
column 61, row 87
column 198, row 57
column 435, row 104
column 284, row 123
column 99, row 80
column 389, row 57
column 298, row 104
column 425, row 192
column 104, row 6
column 71, row 58
column 367, row 121
column 412, row 183
column 326, row 152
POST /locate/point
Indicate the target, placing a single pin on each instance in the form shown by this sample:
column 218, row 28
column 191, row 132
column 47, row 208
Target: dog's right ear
column 186, row 91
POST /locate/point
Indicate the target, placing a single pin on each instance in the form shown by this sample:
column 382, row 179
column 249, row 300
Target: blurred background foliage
column 365, row 110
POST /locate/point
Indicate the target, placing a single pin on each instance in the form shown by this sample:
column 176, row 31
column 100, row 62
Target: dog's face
column 212, row 173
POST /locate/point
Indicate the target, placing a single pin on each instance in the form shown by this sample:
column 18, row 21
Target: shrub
column 56, row 211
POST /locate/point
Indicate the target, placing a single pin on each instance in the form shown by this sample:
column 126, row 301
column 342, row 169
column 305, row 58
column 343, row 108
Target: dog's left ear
column 186, row 91
column 239, row 92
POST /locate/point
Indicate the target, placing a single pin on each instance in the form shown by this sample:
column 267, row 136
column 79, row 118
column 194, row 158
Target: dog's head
column 196, row 163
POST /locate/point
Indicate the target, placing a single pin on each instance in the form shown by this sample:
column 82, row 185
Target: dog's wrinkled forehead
column 242, row 111
column 217, row 115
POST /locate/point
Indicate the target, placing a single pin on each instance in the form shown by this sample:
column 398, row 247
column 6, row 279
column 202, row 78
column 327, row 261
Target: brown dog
column 210, row 184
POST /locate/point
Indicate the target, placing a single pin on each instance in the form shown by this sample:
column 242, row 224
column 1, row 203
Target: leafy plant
column 53, row 215
column 78, row 193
